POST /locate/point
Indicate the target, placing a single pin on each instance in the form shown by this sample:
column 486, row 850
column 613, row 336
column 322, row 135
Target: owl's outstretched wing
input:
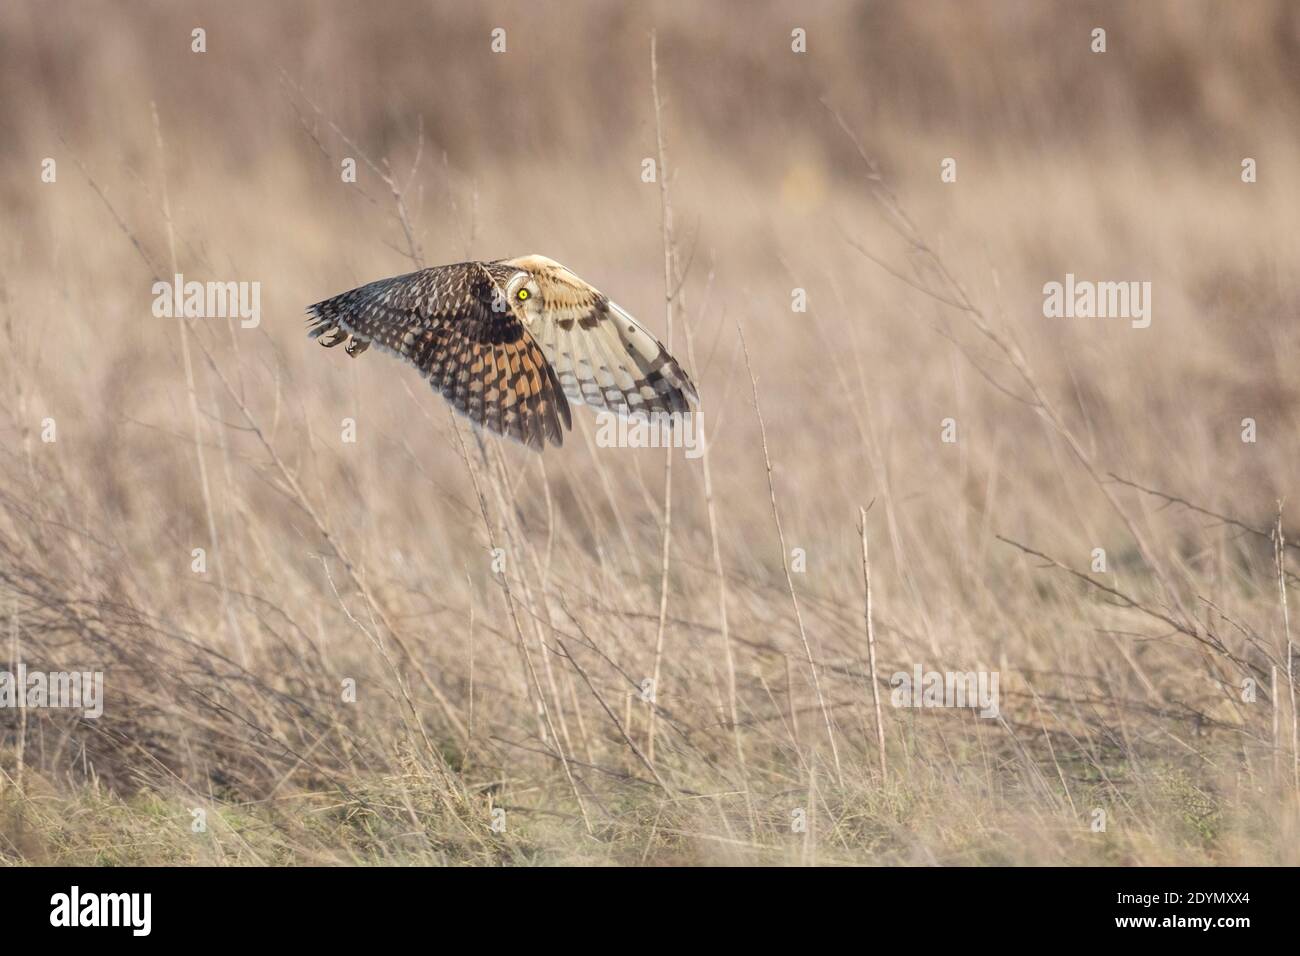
column 452, row 323
column 603, row 356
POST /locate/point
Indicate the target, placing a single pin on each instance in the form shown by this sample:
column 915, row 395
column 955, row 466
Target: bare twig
column 1225, row 519
column 1208, row 640
column 622, row 731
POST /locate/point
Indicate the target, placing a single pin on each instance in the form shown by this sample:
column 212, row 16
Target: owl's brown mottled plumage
column 509, row 343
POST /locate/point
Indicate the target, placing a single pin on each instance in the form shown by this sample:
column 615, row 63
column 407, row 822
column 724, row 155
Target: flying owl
column 510, row 343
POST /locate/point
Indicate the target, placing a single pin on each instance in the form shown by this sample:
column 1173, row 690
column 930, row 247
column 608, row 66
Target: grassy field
column 430, row 646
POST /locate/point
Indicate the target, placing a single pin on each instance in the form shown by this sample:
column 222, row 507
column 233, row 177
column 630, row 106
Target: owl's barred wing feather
column 603, row 356
column 452, row 324
column 509, row 343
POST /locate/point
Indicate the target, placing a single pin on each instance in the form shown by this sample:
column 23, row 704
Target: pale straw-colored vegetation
column 333, row 565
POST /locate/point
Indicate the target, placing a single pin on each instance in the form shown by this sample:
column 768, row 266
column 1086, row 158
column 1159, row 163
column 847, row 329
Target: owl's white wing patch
column 605, row 358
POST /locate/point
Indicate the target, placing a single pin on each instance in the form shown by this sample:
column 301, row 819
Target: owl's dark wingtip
column 690, row 396
column 317, row 323
column 555, row 434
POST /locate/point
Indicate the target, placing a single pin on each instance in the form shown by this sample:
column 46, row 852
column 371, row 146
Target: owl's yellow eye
column 522, row 294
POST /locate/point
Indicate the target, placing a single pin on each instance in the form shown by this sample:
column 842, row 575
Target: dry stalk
column 666, row 224
column 183, row 324
column 871, row 645
column 785, row 567
column 1279, row 558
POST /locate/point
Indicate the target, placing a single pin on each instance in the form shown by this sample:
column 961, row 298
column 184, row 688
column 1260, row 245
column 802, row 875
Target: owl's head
column 525, row 296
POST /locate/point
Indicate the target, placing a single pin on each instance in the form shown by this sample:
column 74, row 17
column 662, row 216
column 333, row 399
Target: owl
column 510, row 343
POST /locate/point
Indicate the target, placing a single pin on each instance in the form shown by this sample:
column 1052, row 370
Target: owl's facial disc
column 525, row 296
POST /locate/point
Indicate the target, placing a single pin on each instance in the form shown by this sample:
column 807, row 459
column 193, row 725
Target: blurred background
column 371, row 561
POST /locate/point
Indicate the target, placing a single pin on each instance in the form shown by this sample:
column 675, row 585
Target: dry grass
column 521, row 691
